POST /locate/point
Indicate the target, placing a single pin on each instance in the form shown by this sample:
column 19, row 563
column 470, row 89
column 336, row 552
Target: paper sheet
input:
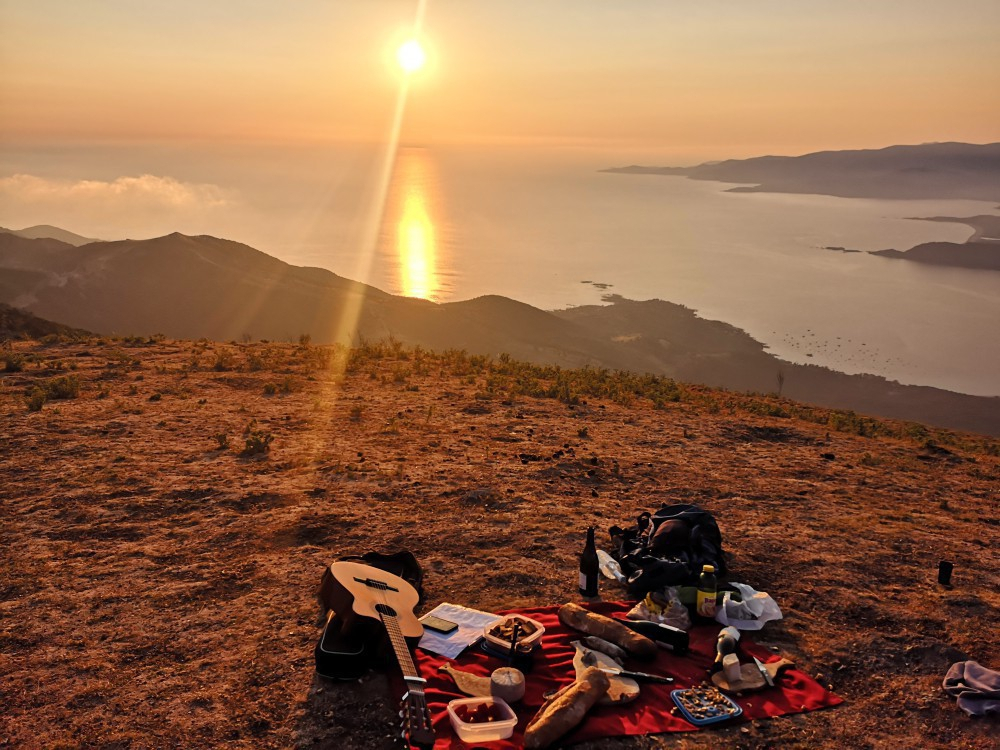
column 470, row 629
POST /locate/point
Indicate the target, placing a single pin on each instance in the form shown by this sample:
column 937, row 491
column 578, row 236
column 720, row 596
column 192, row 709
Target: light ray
column 351, row 307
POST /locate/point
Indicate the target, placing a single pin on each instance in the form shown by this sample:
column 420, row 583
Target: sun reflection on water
column 411, row 207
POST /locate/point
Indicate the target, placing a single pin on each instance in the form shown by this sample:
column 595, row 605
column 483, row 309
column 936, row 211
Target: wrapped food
column 605, row 647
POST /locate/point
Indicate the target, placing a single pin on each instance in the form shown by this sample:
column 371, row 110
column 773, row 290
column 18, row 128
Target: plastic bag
column 663, row 607
column 755, row 609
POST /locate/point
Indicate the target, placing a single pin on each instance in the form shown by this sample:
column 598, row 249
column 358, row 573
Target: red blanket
column 650, row 714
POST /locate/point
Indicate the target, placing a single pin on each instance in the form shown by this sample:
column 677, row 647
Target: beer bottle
column 589, row 567
column 707, row 588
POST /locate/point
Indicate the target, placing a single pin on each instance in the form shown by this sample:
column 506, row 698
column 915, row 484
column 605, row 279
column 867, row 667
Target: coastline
column 980, row 251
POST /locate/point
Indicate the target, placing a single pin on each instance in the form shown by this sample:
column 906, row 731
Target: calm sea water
column 550, row 229
column 457, row 227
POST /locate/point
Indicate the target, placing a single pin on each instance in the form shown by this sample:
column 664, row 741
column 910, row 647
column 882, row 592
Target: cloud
column 143, row 205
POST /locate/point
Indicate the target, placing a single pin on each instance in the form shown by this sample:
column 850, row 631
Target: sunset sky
column 713, row 78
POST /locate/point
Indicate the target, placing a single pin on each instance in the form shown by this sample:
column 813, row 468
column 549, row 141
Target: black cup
column 944, row 572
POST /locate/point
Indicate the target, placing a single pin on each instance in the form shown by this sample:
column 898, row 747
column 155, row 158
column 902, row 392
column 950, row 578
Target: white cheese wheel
column 507, row 683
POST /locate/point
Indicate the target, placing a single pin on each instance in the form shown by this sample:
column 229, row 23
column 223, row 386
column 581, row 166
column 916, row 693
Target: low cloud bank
column 142, row 205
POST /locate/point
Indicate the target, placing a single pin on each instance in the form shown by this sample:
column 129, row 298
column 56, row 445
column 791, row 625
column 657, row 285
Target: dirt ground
column 157, row 580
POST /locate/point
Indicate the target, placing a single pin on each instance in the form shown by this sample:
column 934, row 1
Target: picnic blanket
column 794, row 692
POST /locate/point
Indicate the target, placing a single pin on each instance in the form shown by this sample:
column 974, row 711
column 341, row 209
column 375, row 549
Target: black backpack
column 668, row 548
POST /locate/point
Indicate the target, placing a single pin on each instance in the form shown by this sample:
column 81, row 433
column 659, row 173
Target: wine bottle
column 589, row 567
column 666, row 636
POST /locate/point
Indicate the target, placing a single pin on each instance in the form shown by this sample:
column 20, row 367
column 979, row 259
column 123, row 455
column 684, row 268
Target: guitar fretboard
column 415, row 718
column 399, row 644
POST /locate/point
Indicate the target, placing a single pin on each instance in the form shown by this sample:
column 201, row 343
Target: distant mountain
column 46, row 231
column 931, row 170
column 195, row 287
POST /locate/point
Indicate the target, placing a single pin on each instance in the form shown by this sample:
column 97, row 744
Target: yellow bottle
column 707, row 589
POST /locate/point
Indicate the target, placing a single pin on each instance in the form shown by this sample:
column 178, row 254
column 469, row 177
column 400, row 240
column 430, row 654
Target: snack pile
column 705, row 705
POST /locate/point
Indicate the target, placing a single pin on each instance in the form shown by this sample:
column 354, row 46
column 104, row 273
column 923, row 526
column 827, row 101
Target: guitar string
column 402, row 650
column 396, row 634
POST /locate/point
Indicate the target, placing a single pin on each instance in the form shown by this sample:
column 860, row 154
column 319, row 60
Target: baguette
column 639, row 646
column 565, row 709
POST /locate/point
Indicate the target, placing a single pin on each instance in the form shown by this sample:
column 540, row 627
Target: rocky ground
column 167, row 508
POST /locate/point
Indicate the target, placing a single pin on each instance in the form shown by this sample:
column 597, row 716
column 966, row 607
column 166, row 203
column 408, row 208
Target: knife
column 764, row 673
column 640, row 676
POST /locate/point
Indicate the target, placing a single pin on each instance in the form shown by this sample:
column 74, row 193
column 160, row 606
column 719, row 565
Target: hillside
column 18, row 324
column 981, row 250
column 204, row 287
column 158, row 586
column 931, row 170
column 979, row 255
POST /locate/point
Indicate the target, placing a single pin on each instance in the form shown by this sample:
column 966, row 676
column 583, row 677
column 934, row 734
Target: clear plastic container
column 525, row 643
column 487, row 731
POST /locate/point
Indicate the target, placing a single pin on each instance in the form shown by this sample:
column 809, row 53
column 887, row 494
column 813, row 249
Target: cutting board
column 750, row 676
column 621, row 690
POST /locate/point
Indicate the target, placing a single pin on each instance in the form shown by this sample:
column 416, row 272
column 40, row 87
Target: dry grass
column 156, row 588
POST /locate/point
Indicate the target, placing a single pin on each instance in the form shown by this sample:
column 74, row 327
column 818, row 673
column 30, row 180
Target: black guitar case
column 350, row 646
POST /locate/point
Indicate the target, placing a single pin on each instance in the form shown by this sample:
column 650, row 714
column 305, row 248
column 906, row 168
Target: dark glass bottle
column 589, row 568
column 664, row 635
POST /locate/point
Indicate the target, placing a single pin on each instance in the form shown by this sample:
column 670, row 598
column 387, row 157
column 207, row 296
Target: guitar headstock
column 415, row 720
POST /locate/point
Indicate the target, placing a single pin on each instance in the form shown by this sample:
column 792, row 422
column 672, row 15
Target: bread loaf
column 565, row 709
column 639, row 646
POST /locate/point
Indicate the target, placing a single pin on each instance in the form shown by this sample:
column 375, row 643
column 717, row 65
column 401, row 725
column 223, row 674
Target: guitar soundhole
column 385, row 610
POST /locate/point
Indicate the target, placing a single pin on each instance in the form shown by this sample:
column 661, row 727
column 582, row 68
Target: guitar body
column 364, row 598
column 351, row 595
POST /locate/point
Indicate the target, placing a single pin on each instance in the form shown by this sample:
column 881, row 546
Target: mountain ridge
column 206, row 287
column 947, row 170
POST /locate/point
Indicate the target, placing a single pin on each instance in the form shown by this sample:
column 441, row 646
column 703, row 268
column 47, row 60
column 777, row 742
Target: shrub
column 223, row 440
column 35, row 399
column 13, row 362
column 224, row 360
column 257, row 441
column 255, row 362
column 66, row 386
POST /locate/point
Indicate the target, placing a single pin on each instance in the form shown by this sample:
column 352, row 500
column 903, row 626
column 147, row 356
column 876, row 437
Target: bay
column 548, row 228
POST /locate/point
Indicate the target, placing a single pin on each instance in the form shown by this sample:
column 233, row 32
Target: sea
column 548, row 227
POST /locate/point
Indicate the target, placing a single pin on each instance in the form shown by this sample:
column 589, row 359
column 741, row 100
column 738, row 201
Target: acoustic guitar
column 373, row 594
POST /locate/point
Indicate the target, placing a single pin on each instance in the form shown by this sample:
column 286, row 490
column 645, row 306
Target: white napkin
column 470, row 629
column 756, row 609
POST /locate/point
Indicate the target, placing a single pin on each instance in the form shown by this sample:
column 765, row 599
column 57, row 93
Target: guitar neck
column 402, row 650
column 380, row 593
column 416, row 720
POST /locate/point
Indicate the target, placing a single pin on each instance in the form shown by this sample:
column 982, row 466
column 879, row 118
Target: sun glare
column 411, row 56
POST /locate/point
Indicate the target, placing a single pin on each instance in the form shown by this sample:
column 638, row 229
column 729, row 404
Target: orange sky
column 713, row 77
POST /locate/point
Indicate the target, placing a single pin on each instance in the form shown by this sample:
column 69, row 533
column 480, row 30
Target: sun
column 411, row 56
